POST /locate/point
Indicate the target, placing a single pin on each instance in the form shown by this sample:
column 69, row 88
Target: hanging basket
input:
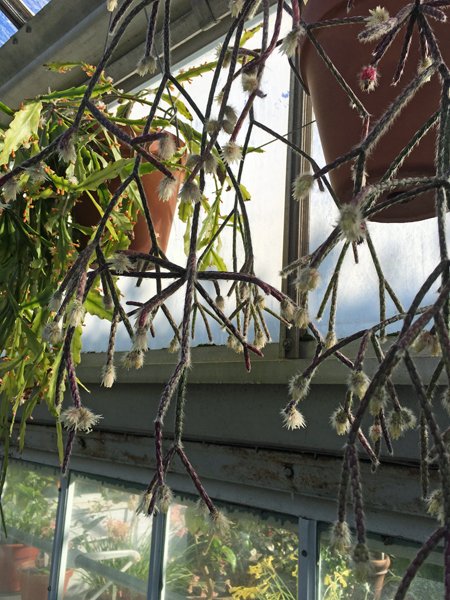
column 340, row 126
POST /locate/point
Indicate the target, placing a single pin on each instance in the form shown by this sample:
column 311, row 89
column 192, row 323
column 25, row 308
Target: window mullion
column 307, row 560
column 61, row 539
column 157, row 553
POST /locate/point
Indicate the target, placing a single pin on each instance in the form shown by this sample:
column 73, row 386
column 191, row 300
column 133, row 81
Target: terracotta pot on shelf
column 340, row 126
column 162, row 213
column 13, row 558
column 34, row 585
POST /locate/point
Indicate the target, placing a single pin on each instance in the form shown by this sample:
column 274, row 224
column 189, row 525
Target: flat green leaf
column 33, row 342
column 62, row 67
column 179, row 105
column 77, row 92
column 94, row 305
column 95, row 179
column 50, row 391
column 218, row 261
column 77, row 345
column 229, row 556
column 5, row 109
column 245, row 193
column 23, row 126
column 196, row 71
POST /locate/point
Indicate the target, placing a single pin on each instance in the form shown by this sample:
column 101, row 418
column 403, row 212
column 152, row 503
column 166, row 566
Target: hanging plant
column 42, row 320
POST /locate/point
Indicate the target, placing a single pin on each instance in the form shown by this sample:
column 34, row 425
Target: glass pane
column 29, row 504
column 109, row 543
column 257, row 559
column 35, row 5
column 390, row 559
column 7, row 29
column 264, row 183
column 357, row 302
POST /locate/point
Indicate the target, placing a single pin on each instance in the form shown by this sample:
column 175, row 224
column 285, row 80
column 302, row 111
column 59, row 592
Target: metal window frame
column 296, row 215
column 16, row 11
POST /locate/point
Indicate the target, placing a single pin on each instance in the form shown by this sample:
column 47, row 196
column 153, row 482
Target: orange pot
column 13, row 558
column 340, row 127
column 380, row 568
column 162, row 213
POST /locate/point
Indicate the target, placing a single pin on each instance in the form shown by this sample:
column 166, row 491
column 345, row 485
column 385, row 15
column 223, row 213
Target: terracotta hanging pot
column 340, row 127
column 14, row 557
column 162, row 213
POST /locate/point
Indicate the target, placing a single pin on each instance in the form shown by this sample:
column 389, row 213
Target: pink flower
column 368, row 78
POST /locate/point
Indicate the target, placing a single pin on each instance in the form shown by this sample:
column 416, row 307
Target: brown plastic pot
column 162, row 213
column 340, row 127
column 13, row 558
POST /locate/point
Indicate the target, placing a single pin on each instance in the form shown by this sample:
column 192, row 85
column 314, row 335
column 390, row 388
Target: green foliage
column 29, row 501
column 256, row 557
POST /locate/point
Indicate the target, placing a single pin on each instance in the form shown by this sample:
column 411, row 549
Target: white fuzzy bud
column 111, row 5
column 79, row 419
column 54, row 303
column 133, row 360
column 174, row 345
column 212, row 126
column 435, row 505
column 250, row 81
column 140, row 343
column 291, row 41
column 301, row 318
column 339, row 421
column 190, row 193
column 230, row 114
column 358, row 382
column 235, row 7
column 108, row 375
column 167, row 147
column 287, row 309
column 120, row 263
column 231, row 153
column 10, row 189
column 210, row 164
column 228, row 126
column 299, row 387
column 75, row 313
column 66, row 149
column 220, row 302
column 307, row 279
column 351, row 223
column 340, row 537
column 293, row 419
column 146, row 66
column 302, row 186
column 220, row 525
column 52, row 333
column 167, row 188
column 234, row 344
